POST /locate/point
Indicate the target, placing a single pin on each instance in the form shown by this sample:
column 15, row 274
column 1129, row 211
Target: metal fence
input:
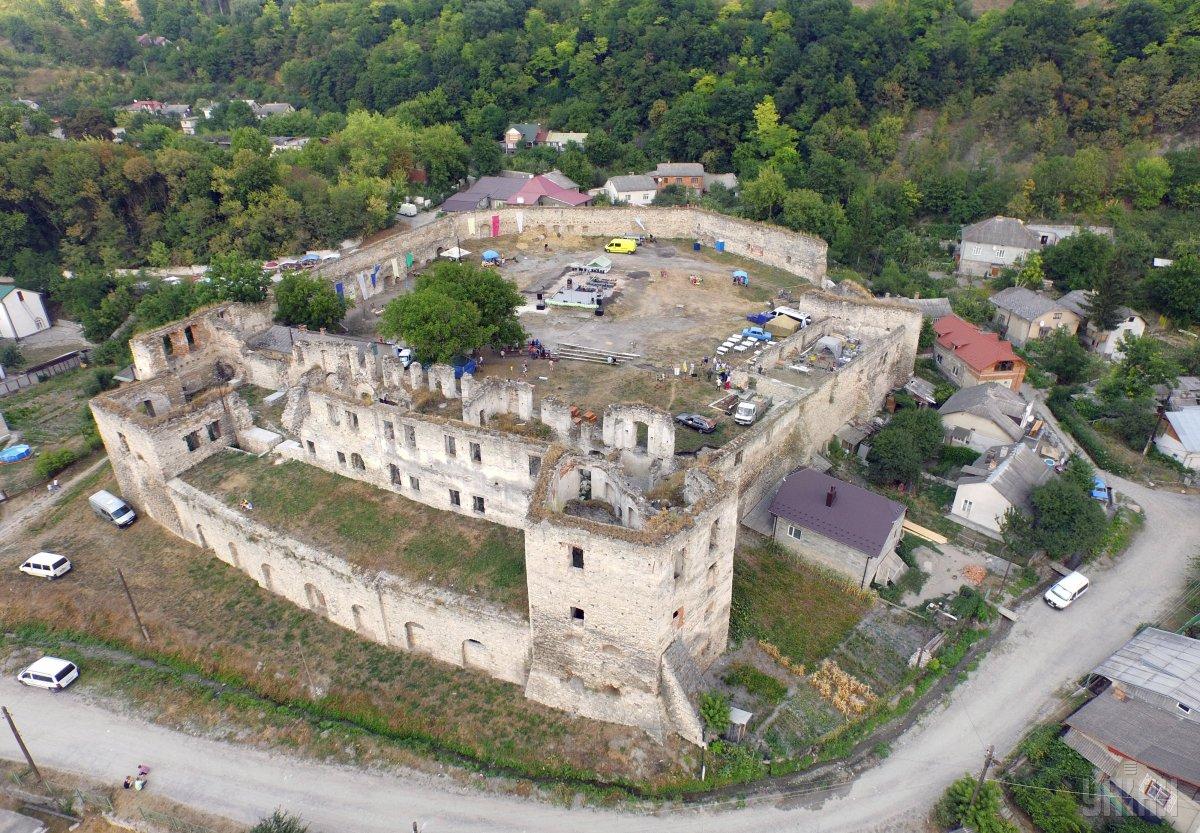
column 41, row 372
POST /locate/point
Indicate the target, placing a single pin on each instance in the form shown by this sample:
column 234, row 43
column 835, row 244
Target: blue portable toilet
column 720, row 245
column 696, row 246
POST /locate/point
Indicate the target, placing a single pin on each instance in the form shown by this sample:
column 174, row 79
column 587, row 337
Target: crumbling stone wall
column 483, row 399
column 448, row 626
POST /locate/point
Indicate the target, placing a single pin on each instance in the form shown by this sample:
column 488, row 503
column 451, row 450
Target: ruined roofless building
column 626, row 605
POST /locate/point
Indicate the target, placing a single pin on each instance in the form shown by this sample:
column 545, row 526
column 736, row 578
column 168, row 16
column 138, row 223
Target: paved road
column 1016, row 684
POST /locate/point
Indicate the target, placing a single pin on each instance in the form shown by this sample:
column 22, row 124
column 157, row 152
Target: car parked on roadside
column 1066, row 590
column 50, row 673
column 46, row 565
column 696, row 422
column 757, row 333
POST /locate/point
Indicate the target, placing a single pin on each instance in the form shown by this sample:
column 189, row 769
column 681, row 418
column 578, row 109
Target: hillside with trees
column 879, row 129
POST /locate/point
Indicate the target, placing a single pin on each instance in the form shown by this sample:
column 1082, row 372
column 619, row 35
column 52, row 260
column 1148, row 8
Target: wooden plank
column 922, row 532
column 1060, row 568
column 1006, row 613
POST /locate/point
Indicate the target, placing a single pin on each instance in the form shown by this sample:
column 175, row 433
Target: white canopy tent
column 455, row 253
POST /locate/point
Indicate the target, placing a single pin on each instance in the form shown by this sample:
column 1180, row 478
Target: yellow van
column 621, row 246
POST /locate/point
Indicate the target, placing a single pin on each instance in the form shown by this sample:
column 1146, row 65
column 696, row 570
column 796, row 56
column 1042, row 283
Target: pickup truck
column 757, row 333
column 748, row 412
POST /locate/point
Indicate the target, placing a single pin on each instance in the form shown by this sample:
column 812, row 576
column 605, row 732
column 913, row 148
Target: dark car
column 702, row 424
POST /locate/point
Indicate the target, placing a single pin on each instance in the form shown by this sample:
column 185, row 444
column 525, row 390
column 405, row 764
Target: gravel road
column 1017, row 683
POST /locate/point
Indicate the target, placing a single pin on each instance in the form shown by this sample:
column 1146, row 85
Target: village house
column 998, row 243
column 1142, row 729
column 561, row 141
column 144, row 106
column 686, row 174
column 966, row 355
column 499, row 191
column 1186, row 392
column 21, row 312
column 1105, row 342
column 1000, row 480
column 271, row 108
column 634, row 189
column 987, row 415
column 839, row 525
column 1023, row 315
column 520, row 136
column 1180, row 438
column 176, row 111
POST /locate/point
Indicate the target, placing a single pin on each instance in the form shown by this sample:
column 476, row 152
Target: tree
column 1031, row 275
column 971, row 305
column 923, row 426
column 1145, row 364
column 232, row 277
column 167, row 302
column 674, row 195
column 1016, row 529
column 88, row 123
column 978, row 809
column 486, row 156
column 1079, row 261
column 486, row 289
column 1175, row 290
column 1066, row 519
column 311, row 301
column 893, row 458
column 1147, row 181
column 280, row 822
column 763, row 196
column 714, row 709
column 11, row 357
column 1061, row 353
column 439, row 328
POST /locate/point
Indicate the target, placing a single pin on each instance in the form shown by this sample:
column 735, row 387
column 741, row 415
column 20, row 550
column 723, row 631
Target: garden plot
column 877, row 650
column 803, row 719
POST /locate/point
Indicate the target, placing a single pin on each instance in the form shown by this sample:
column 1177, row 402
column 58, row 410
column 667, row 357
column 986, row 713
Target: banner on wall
column 362, row 286
column 395, row 268
column 408, row 260
column 495, row 225
column 471, row 225
column 375, row 275
column 520, row 222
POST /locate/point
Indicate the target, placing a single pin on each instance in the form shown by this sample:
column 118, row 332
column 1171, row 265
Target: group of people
column 245, row 505
column 137, row 782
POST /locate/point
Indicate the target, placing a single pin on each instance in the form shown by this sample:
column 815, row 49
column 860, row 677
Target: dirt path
column 20, row 514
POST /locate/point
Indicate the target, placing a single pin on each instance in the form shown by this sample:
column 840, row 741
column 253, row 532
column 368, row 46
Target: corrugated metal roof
column 1023, row 302
column 1163, row 741
column 991, row 401
column 1001, row 231
column 632, row 182
column 1159, row 661
column 1014, row 477
column 1186, row 423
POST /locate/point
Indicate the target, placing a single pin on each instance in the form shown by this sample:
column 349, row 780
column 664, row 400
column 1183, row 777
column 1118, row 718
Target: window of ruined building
column 414, row 483
column 266, row 574
column 312, row 448
column 451, row 448
column 200, row 537
column 677, row 618
column 478, row 504
column 394, row 471
column 455, row 497
column 214, row 430
column 333, row 413
column 124, row 442
column 192, row 440
column 189, row 335
column 341, row 459
column 410, row 436
column 535, row 465
column 148, row 407
column 356, row 461
column 168, row 348
column 577, row 557
column 316, row 599
column 412, row 633
column 642, row 430
column 679, row 563
column 577, row 614
column 737, row 458
column 389, row 431
column 712, row 576
column 585, row 484
column 714, row 534
column 360, row 620
column 476, row 453
column 352, row 419
column 233, row 553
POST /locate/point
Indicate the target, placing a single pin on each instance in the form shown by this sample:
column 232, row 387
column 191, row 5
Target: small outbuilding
column 21, row 312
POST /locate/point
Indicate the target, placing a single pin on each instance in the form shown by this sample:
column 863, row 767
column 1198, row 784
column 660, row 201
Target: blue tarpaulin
column 740, row 273
column 466, row 367
column 491, row 254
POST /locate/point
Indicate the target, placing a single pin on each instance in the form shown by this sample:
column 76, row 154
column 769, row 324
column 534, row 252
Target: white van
column 46, row 565
column 112, row 508
column 50, row 673
column 1066, row 590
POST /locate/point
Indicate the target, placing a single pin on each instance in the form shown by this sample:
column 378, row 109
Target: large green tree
column 308, row 300
column 1079, row 261
column 233, row 277
column 496, row 298
column 438, row 327
column 1066, row 518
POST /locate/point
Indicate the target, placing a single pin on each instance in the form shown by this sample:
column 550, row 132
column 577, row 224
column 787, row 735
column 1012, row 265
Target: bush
column 11, row 357
column 958, row 455
column 53, row 462
column 280, row 822
column 981, row 815
column 756, row 682
column 714, row 708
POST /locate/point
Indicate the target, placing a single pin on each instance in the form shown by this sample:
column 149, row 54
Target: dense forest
column 880, row 129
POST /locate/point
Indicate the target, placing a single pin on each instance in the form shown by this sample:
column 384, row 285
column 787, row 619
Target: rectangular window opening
column 451, row 447
column 577, row 557
column 394, row 472
column 455, row 497
column 476, row 453
column 414, row 483
column 214, row 430
column 478, row 504
column 389, row 431
column 577, row 614
column 341, row 458
column 192, row 440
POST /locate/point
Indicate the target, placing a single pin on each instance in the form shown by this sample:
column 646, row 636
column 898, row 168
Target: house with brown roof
column 840, row 526
column 967, row 355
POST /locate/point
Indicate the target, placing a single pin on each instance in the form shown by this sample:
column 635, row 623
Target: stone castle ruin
column 628, row 546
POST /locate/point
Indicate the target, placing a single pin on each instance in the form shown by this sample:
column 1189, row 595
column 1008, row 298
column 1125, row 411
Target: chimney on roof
column 831, row 496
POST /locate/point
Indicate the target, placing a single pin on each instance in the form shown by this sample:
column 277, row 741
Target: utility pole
column 24, row 750
column 987, row 764
column 136, row 616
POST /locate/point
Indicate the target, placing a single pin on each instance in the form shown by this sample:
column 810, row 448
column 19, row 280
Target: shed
column 782, row 326
column 739, row 719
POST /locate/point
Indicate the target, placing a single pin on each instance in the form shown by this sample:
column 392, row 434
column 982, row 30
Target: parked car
column 1066, row 590
column 112, row 508
column 700, row 423
column 621, row 246
column 46, row 565
column 49, row 673
column 757, row 333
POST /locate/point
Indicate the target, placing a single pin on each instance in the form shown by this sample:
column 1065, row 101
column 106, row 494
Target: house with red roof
column 967, row 355
column 499, row 191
